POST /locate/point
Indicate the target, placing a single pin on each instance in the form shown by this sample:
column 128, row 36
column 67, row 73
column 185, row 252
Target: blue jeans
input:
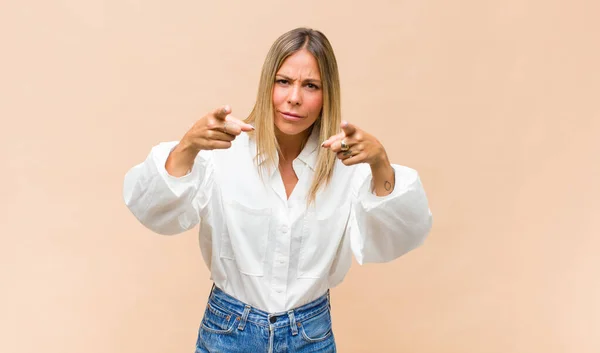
column 231, row 326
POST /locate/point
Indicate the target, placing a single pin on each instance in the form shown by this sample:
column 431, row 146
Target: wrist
column 380, row 163
column 181, row 159
column 186, row 148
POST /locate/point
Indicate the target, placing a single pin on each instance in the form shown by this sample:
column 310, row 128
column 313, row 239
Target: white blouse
column 264, row 249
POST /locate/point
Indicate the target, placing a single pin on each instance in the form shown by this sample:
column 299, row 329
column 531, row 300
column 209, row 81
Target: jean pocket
column 316, row 329
column 245, row 237
column 217, row 320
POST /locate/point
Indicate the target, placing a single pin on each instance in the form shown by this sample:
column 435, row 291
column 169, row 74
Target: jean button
column 272, row 319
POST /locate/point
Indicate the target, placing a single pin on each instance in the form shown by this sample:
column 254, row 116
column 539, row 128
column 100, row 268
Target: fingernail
column 323, row 144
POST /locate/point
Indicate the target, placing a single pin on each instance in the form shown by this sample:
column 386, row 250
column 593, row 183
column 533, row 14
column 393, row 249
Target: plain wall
column 495, row 103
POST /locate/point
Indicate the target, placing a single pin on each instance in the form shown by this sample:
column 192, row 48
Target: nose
column 295, row 96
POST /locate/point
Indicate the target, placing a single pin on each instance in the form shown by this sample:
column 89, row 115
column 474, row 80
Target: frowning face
column 297, row 93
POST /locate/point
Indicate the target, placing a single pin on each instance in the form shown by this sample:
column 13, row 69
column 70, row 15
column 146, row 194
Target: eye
column 312, row 86
column 281, row 81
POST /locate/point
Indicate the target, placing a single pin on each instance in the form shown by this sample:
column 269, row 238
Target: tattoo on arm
column 387, row 185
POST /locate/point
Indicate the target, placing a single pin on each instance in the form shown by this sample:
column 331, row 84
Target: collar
column 308, row 155
column 310, row 152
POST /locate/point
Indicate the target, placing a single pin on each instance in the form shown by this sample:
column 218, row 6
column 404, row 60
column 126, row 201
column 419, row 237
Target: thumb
column 222, row 112
column 348, row 128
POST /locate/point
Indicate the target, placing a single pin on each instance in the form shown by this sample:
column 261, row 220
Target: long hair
column 262, row 115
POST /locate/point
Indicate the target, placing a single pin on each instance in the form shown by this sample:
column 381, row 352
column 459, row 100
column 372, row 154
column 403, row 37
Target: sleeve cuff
column 178, row 185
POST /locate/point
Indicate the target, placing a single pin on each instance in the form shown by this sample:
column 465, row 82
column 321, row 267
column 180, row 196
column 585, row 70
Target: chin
column 291, row 129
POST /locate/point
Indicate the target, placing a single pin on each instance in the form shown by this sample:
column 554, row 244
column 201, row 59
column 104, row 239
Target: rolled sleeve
column 384, row 228
column 162, row 202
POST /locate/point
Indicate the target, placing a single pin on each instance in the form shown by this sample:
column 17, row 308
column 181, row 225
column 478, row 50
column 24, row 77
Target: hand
column 363, row 147
column 215, row 130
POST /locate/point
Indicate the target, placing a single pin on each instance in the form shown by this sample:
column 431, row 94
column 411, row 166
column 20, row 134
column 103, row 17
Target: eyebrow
column 307, row 80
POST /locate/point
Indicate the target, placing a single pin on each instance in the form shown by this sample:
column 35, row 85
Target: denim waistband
column 262, row 318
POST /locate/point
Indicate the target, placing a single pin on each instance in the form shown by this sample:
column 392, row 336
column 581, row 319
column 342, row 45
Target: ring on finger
column 225, row 127
column 347, row 152
column 345, row 146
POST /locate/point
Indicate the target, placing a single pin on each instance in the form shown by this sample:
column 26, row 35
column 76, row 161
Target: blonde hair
column 262, row 114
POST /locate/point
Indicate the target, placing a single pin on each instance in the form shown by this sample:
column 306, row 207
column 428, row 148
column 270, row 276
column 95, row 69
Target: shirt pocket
column 320, row 239
column 245, row 235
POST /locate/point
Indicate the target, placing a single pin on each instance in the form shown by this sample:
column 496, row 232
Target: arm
column 169, row 190
column 383, row 228
column 390, row 213
column 164, row 203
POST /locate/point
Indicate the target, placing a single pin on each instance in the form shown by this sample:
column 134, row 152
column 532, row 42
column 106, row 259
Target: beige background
column 496, row 103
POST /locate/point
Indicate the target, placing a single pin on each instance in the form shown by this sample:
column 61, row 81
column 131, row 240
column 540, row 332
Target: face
column 297, row 93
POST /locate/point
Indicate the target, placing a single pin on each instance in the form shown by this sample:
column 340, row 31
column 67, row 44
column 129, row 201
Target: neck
column 291, row 145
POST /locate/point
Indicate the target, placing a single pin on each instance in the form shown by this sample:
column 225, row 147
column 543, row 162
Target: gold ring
column 345, row 146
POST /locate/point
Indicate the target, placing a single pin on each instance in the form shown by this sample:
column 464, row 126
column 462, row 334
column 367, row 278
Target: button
column 272, row 319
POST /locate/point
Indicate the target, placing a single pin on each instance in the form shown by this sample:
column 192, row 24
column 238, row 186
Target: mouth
column 291, row 116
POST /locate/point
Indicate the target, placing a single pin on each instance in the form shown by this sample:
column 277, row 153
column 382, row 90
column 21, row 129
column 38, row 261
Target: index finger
column 221, row 113
column 332, row 139
column 244, row 126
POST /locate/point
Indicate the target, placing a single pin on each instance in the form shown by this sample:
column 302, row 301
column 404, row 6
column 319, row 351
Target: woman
column 283, row 199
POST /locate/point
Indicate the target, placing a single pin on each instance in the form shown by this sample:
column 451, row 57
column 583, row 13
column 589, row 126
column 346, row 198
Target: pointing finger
column 245, row 127
column 231, row 128
column 327, row 143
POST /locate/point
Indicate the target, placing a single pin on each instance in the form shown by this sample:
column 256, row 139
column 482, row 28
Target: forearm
column 181, row 160
column 383, row 178
column 389, row 226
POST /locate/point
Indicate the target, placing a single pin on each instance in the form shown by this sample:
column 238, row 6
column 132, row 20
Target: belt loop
column 212, row 291
column 293, row 325
column 244, row 318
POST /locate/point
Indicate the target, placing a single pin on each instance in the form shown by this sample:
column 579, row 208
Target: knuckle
column 211, row 124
